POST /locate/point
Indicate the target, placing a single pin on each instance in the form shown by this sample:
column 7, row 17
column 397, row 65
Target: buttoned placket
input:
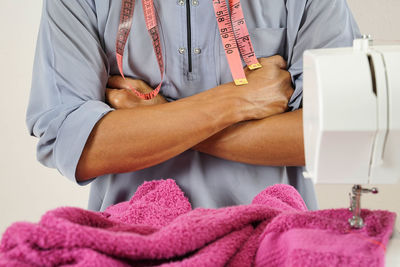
column 195, row 4
column 189, row 50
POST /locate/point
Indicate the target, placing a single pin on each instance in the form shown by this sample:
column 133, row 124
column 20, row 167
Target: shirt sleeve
column 325, row 24
column 70, row 74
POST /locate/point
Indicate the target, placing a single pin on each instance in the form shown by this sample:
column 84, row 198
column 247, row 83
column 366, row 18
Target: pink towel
column 323, row 238
column 158, row 227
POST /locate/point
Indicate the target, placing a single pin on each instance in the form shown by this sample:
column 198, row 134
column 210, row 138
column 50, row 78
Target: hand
column 268, row 91
column 122, row 97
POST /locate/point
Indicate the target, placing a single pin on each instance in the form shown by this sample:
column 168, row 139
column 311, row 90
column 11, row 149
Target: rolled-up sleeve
column 68, row 84
column 325, row 24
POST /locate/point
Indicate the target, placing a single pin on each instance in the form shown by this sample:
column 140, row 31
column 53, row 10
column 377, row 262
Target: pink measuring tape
column 235, row 38
column 125, row 24
column 233, row 30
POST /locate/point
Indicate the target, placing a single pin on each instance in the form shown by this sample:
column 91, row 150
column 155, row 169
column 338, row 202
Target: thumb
column 117, row 82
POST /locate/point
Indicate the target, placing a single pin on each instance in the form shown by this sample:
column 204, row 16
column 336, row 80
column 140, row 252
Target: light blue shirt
column 76, row 54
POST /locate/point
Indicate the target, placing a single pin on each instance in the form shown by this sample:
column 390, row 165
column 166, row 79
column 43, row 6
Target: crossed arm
column 246, row 124
column 273, row 141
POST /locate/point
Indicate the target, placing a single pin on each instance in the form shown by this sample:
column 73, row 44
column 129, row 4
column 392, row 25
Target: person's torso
column 206, row 180
column 192, row 64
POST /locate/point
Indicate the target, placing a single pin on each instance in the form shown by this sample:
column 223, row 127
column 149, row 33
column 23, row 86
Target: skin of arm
column 273, row 141
column 130, row 139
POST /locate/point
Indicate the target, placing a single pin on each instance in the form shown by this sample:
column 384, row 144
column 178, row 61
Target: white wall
column 28, row 189
column 380, row 18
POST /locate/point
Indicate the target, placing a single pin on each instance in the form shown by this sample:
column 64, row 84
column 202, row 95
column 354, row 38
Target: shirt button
column 195, row 2
column 181, row 50
column 197, row 51
column 181, row 2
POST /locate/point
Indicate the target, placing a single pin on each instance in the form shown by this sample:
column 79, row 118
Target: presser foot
column 355, row 205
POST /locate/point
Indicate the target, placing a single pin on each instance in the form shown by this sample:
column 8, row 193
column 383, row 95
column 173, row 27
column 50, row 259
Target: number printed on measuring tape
column 229, row 42
column 235, row 38
column 242, row 35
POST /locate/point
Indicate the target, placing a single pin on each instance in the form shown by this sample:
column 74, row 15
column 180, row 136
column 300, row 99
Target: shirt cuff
column 296, row 100
column 73, row 134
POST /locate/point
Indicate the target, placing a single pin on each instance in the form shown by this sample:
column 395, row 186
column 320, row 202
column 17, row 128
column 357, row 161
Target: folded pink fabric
column 157, row 227
column 323, row 238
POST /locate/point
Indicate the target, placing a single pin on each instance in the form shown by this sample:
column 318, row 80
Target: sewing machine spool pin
column 355, row 205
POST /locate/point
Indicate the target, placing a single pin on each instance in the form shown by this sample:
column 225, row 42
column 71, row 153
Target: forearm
column 135, row 136
column 131, row 139
column 273, row 141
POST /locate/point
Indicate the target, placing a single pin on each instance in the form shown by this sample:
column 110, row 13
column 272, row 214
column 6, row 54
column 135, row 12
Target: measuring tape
column 124, row 28
column 233, row 30
column 235, row 38
column 242, row 35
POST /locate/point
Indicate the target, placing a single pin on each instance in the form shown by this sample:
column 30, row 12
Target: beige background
column 28, row 189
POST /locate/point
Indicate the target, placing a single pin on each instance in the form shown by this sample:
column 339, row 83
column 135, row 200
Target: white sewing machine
column 351, row 118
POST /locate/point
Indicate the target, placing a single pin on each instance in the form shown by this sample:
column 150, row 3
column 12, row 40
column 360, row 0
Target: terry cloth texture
column 157, row 227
